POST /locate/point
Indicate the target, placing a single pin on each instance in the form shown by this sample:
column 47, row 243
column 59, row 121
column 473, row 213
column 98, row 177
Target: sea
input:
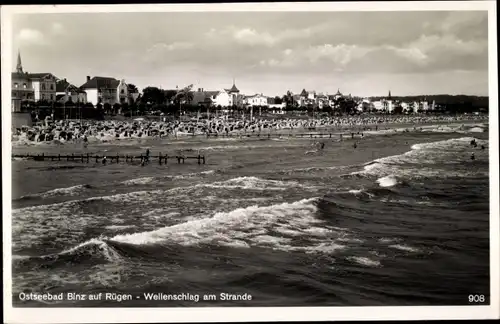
column 400, row 219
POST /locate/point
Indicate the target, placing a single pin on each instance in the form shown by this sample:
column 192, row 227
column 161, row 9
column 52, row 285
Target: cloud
column 251, row 37
column 31, row 36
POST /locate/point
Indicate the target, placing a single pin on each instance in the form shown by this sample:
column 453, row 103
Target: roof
column 16, row 75
column 304, row 92
column 60, row 97
column 101, row 83
column 39, row 75
column 234, row 89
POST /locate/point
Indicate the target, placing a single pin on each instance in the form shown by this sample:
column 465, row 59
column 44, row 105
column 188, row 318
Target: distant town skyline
column 363, row 53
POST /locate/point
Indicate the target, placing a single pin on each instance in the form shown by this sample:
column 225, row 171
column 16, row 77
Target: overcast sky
column 363, row 53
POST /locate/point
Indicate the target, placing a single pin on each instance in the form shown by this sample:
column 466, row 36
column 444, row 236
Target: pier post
column 88, row 158
column 59, row 156
column 82, row 158
column 72, row 156
column 203, row 159
column 97, row 159
column 166, row 159
column 43, row 157
column 67, row 157
column 178, row 160
column 199, row 159
column 117, row 158
column 159, row 158
column 330, row 135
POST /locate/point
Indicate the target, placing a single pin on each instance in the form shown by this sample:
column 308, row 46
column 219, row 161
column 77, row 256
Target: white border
column 238, row 314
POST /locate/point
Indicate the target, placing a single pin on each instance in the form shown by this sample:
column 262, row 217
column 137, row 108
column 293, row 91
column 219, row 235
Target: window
column 25, row 85
column 51, row 96
column 43, row 86
column 51, row 87
column 122, row 91
column 15, row 85
column 43, row 96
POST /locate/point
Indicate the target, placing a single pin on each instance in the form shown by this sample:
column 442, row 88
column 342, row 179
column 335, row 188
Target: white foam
column 67, row 191
column 387, row 181
column 364, row 261
column 119, row 227
column 476, row 130
column 404, row 248
column 138, row 181
column 241, row 222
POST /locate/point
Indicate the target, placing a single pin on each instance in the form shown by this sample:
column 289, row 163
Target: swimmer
column 104, row 160
column 472, row 157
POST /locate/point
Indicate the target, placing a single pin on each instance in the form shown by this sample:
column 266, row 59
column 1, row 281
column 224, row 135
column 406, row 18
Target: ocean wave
column 93, row 249
column 221, row 225
column 413, row 163
column 67, row 191
column 403, row 247
column 253, row 183
column 364, row 261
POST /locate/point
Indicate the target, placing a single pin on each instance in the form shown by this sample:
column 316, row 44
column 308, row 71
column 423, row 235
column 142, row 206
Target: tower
column 19, row 66
column 389, row 97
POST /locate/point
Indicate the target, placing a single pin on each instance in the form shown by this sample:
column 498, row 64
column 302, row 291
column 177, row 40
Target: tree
column 288, row 99
column 107, row 107
column 152, row 95
column 398, row 110
column 116, row 108
column 131, row 88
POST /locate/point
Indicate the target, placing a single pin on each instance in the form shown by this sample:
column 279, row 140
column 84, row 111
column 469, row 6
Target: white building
column 228, row 97
column 44, row 85
column 256, row 100
column 105, row 90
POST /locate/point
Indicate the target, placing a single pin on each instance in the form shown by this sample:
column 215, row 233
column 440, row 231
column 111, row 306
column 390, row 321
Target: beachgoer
column 104, row 160
column 472, row 157
column 482, row 147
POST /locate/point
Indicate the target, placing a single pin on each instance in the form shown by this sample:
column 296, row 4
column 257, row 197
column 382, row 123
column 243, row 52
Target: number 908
column 477, row 299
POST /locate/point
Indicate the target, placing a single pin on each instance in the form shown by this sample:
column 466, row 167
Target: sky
column 362, row 53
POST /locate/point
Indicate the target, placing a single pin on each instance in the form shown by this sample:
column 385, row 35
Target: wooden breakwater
column 87, row 158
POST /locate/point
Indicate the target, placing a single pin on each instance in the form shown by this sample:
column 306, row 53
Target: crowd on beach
column 62, row 131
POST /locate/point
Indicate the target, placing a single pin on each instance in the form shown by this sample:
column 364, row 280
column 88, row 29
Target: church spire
column 389, row 94
column 19, row 66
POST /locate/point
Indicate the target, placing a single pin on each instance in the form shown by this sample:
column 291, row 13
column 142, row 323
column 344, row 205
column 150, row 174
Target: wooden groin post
column 88, row 158
column 43, row 157
column 59, row 156
column 330, row 135
column 117, row 158
column 166, row 159
column 203, row 159
column 159, row 158
column 97, row 159
column 82, row 158
column 199, row 159
column 72, row 156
